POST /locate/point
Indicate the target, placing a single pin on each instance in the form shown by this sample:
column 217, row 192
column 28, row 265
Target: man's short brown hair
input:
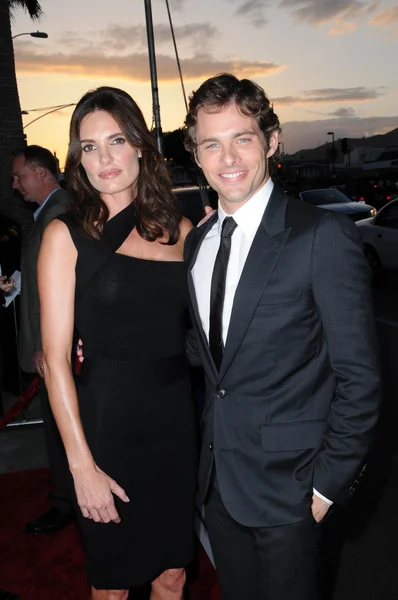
column 37, row 156
column 224, row 89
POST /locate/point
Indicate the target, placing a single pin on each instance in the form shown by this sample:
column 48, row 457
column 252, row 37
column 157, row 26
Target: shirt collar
column 38, row 210
column 248, row 217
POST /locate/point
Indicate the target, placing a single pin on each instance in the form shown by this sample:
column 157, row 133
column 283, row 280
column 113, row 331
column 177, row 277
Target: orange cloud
column 318, row 12
column 342, row 27
column 133, row 67
column 387, row 19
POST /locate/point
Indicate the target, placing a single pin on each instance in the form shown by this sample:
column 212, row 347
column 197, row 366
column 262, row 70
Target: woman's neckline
column 154, row 260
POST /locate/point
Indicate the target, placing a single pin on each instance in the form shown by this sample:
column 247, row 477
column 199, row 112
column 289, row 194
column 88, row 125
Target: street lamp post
column 35, row 34
column 154, row 76
column 333, row 154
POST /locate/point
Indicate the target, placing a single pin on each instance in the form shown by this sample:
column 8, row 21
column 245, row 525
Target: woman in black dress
column 112, row 272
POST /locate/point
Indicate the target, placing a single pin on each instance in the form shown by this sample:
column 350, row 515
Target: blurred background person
column 35, row 172
column 10, row 251
column 6, row 286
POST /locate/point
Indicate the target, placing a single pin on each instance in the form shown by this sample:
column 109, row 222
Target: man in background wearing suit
column 284, row 328
column 35, row 177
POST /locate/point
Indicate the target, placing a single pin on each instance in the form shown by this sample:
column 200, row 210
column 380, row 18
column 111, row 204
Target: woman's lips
column 109, row 174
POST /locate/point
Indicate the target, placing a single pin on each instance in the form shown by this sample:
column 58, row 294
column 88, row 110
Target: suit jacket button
column 221, row 394
column 211, row 446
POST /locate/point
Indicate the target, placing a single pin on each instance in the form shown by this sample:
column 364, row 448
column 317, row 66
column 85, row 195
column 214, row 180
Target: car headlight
column 373, row 212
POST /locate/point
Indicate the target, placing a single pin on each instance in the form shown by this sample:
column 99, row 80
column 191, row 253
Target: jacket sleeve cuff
column 330, row 502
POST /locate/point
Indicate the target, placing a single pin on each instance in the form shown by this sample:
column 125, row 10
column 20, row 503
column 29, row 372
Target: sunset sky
column 328, row 65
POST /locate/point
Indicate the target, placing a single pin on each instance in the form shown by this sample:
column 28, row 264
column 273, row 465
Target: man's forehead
column 224, row 122
column 18, row 163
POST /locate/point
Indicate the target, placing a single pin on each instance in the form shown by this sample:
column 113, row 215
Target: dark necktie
column 217, row 292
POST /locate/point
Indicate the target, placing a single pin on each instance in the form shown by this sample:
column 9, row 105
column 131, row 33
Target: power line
column 177, row 57
column 48, row 108
column 49, row 112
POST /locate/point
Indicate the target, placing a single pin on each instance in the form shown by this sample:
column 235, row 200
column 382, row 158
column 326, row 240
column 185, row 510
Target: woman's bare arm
column 56, row 281
column 185, row 228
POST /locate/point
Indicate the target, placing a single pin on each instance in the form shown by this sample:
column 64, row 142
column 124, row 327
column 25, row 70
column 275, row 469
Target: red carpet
column 51, row 567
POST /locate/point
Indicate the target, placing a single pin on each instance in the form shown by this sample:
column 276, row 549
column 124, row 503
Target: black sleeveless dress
column 135, row 405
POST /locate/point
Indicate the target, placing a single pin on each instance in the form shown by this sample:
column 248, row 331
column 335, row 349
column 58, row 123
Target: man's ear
column 195, row 155
column 273, row 143
column 42, row 172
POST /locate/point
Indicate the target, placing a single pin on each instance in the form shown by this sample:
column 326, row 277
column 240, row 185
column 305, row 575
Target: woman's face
column 110, row 162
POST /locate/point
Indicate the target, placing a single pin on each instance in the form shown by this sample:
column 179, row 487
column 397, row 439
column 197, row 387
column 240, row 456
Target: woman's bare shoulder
column 57, row 236
column 185, row 228
column 57, row 229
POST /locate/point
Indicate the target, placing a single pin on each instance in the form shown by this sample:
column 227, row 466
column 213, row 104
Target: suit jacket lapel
column 36, row 223
column 267, row 245
column 200, row 234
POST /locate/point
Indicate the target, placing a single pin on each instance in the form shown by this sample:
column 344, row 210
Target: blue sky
column 326, row 64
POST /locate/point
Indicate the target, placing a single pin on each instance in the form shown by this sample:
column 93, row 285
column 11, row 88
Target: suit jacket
column 296, row 399
column 30, row 336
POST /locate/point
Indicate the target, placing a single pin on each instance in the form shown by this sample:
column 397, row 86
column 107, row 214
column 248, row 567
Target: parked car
column 380, row 238
column 336, row 201
column 368, row 191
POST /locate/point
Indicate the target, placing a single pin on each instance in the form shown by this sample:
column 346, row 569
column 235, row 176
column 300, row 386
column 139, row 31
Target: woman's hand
column 79, row 350
column 209, row 211
column 94, row 491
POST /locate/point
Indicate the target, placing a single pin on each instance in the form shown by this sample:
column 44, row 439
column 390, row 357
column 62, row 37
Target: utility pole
column 154, row 77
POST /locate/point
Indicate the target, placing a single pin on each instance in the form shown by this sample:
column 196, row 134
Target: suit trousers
column 62, row 479
column 265, row 563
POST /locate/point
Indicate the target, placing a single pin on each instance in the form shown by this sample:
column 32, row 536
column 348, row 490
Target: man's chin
column 238, row 198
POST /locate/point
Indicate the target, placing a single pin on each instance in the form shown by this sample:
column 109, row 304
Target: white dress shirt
column 42, row 205
column 248, row 218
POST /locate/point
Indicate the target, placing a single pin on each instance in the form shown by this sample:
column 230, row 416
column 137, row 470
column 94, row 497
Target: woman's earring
column 139, row 154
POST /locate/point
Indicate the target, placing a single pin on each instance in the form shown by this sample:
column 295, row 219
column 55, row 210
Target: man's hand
column 319, row 508
column 6, row 284
column 37, row 361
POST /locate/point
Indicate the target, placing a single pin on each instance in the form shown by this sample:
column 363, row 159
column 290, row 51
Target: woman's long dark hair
column 156, row 208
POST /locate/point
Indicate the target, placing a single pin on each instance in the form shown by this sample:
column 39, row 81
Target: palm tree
column 11, row 131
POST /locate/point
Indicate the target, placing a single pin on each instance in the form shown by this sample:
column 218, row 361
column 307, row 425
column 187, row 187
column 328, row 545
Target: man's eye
column 243, row 140
column 211, row 146
column 118, row 140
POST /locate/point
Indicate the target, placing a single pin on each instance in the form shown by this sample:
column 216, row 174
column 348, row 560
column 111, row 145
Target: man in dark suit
column 35, row 175
column 284, row 328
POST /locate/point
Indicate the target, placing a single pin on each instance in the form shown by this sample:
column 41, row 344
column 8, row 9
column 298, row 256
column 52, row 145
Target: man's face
column 28, row 179
column 232, row 152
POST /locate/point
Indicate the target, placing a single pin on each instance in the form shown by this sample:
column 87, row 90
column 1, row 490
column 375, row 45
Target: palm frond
column 32, row 6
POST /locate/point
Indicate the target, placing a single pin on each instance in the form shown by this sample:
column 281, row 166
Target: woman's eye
column 118, row 140
column 88, row 147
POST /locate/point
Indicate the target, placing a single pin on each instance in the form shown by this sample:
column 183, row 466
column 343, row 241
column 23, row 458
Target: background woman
column 113, row 270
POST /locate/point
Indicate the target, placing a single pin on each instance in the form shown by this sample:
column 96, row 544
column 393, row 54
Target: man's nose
column 15, row 183
column 230, row 155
